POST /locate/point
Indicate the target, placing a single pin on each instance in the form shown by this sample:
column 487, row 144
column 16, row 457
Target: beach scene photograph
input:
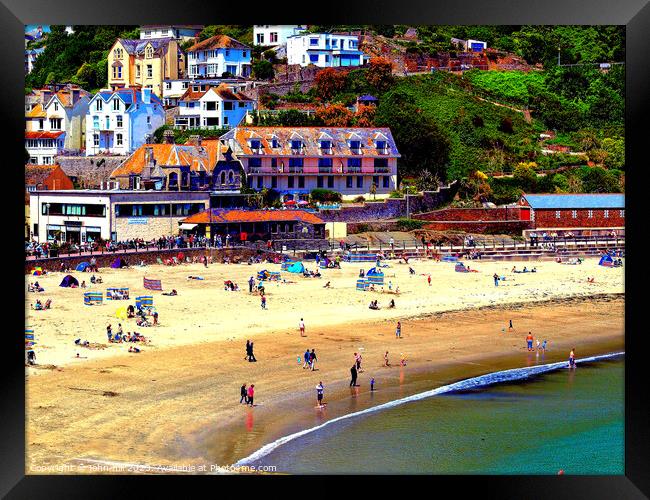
column 324, row 249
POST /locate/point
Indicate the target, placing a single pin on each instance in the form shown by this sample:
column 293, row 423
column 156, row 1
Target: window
column 227, row 52
column 255, row 162
column 557, row 214
column 319, row 181
column 354, row 163
column 290, row 181
column 330, row 181
column 327, row 58
column 313, row 58
column 231, row 68
column 260, row 182
column 375, row 180
column 210, row 105
column 244, row 54
column 385, row 181
column 274, row 163
column 574, row 214
column 355, row 147
column 225, row 120
column 56, row 106
column 149, row 71
column 108, row 122
column 260, row 38
column 185, row 85
column 381, row 164
column 119, row 121
column 295, row 162
column 228, row 105
column 55, row 123
column 348, row 182
column 118, row 139
column 99, row 105
column 335, row 43
column 325, row 162
column 117, row 53
column 296, row 144
column 606, row 214
column 359, row 181
column 325, row 146
column 137, row 71
column 149, row 52
column 32, row 143
column 116, row 104
column 168, row 85
column 40, row 124
column 274, row 37
column 381, row 145
column 255, row 144
column 96, row 140
column 117, row 72
column 301, row 182
column 47, row 160
column 274, row 182
column 313, row 41
column 621, row 213
column 275, row 143
column 590, row 214
column 148, row 120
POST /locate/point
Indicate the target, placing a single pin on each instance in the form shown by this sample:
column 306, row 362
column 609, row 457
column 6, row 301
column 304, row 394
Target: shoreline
column 197, row 419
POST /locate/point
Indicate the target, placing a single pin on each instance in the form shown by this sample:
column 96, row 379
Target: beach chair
column 93, row 298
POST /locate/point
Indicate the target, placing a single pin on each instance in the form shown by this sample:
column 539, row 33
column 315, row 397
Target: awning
column 188, row 227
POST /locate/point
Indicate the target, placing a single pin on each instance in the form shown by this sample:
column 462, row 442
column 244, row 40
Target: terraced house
column 208, row 106
column 119, row 122
column 56, row 122
column 198, row 165
column 217, row 55
column 296, row 160
column 144, row 63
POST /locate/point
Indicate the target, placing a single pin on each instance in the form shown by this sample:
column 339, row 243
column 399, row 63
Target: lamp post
column 47, row 223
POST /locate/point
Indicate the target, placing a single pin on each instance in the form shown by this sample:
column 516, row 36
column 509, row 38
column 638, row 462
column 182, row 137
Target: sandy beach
column 177, row 402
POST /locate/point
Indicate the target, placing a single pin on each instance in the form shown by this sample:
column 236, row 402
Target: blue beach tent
column 296, row 267
column 606, row 260
column 82, row 266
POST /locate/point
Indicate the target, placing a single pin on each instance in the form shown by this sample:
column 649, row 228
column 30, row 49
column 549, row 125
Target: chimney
column 196, row 140
column 168, row 136
column 46, row 94
column 146, row 96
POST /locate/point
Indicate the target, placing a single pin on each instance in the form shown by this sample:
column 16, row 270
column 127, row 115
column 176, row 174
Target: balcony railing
column 352, row 170
column 324, row 170
column 382, row 170
column 356, row 151
column 296, row 170
column 298, row 151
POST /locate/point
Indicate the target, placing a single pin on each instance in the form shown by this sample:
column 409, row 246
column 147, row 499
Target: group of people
column 38, row 306
column 309, row 360
column 230, row 286
column 35, row 287
column 250, row 355
column 121, row 337
column 524, row 270
column 541, row 346
column 247, row 394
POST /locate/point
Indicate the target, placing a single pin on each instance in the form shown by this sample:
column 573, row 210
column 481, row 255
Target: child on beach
column 544, row 346
column 319, row 393
column 263, row 301
column 251, row 395
column 398, row 330
column 429, row 279
column 372, row 384
column 402, row 361
column 572, row 358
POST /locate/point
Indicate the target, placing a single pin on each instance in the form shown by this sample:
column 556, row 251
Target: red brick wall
column 547, row 218
column 491, row 227
column 471, row 214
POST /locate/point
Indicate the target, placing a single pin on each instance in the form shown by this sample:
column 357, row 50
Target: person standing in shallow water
column 251, row 395
column 319, row 393
column 353, row 373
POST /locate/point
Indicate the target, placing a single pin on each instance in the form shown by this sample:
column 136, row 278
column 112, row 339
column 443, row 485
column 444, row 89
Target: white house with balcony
column 217, row 55
column 120, row 121
column 177, row 31
column 324, row 50
column 270, row 35
column 173, row 90
column 206, row 106
column 56, row 122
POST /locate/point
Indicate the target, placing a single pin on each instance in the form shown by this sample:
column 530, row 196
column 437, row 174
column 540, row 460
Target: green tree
column 263, row 70
column 422, row 144
column 600, row 180
column 615, row 149
column 525, row 177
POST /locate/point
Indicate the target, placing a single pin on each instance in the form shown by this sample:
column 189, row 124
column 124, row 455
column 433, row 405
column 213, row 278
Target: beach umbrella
column 303, row 202
column 121, row 313
column 290, row 203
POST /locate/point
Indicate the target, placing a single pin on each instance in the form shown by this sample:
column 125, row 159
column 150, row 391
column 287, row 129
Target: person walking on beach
column 392, row 243
column 307, row 356
column 372, row 384
column 572, row 358
column 544, row 346
column 353, row 373
column 510, row 327
column 319, row 394
column 429, row 279
column 398, row 330
column 251, row 284
column 244, row 395
column 312, row 359
column 251, row 356
column 529, row 341
column 386, row 363
column 496, row 279
column 263, row 301
column 248, row 350
column 301, row 325
column 251, row 394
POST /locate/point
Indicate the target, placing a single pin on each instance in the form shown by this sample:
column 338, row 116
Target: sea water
column 561, row 419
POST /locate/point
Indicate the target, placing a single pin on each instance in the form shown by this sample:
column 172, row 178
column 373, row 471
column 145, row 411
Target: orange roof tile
column 220, row 216
column 42, row 135
column 218, row 42
column 36, row 112
column 204, row 158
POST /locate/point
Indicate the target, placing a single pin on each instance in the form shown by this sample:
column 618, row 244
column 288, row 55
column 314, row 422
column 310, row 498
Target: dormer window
column 296, row 146
column 149, row 52
column 382, row 146
column 326, row 147
column 355, row 147
column 256, row 145
column 116, row 104
column 275, row 144
column 99, row 105
column 117, row 53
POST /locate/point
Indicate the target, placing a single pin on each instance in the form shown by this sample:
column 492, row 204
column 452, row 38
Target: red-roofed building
column 253, row 225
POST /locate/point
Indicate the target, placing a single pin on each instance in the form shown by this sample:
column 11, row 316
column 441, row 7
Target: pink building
column 297, row 160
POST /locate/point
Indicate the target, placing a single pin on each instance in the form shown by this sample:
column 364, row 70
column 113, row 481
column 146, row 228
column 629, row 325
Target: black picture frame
column 634, row 14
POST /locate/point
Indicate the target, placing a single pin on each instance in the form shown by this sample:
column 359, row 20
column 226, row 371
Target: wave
column 481, row 381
